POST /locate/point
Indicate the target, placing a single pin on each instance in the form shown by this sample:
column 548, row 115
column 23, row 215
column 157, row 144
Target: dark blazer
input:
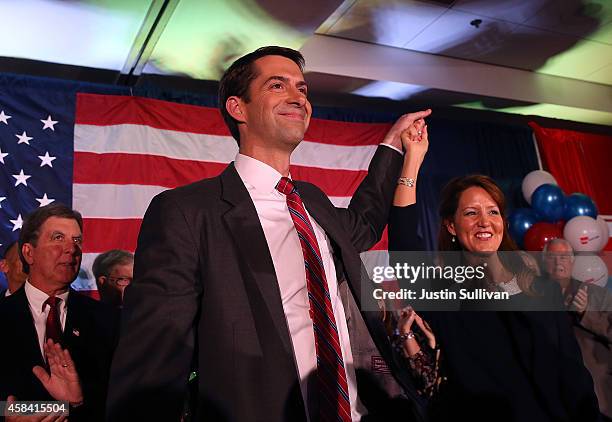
column 505, row 365
column 205, row 292
column 89, row 335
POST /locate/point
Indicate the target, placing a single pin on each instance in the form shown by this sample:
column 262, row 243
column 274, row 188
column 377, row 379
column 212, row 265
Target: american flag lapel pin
column 76, row 332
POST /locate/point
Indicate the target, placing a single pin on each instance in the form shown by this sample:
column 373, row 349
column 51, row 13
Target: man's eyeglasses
column 120, row 281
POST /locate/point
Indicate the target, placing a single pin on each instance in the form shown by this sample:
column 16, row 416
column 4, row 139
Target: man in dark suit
column 256, row 281
column 45, row 310
column 590, row 312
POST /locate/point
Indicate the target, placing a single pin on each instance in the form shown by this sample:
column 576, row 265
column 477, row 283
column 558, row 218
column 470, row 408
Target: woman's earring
column 453, row 239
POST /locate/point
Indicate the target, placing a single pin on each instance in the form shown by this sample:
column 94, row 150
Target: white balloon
column 605, row 232
column 534, row 180
column 583, row 233
column 590, row 269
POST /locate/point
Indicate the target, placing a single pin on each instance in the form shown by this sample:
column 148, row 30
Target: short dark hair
column 104, row 263
column 238, row 77
column 6, row 249
column 30, row 230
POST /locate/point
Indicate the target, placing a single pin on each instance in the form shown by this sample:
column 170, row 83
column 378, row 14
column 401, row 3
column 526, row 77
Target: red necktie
column 334, row 404
column 54, row 326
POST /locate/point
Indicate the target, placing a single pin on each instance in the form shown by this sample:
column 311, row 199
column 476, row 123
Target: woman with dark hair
column 500, row 365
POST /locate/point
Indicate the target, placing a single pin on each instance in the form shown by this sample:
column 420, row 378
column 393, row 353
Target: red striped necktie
column 334, row 404
column 54, row 327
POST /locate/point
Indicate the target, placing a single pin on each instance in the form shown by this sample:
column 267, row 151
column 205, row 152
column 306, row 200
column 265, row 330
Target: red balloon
column 540, row 233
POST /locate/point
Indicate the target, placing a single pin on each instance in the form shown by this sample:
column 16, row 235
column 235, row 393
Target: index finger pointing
column 419, row 114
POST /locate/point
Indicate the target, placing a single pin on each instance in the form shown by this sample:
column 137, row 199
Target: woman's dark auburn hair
column 449, row 202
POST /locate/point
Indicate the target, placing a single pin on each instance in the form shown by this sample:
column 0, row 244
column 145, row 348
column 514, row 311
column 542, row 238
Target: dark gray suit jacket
column 205, row 295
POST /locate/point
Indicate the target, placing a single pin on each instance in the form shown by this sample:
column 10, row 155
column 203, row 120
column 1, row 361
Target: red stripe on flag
column 138, row 169
column 335, row 132
column 383, row 243
column 332, row 182
column 108, row 110
column 102, row 234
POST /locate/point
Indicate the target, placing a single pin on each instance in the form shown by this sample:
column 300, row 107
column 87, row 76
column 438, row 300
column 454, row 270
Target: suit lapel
column 244, row 225
column 74, row 320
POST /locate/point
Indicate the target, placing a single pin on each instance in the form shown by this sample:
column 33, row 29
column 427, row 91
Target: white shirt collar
column 37, row 298
column 257, row 174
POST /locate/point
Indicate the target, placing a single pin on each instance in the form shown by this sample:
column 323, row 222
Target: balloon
column 540, row 233
column 590, row 269
column 534, row 180
column 579, row 204
column 583, row 233
column 520, row 221
column 547, row 201
column 605, row 232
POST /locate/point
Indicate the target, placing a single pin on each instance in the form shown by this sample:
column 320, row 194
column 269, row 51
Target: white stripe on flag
column 129, row 201
column 113, row 201
column 135, row 139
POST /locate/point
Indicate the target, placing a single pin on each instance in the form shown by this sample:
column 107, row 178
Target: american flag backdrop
column 108, row 155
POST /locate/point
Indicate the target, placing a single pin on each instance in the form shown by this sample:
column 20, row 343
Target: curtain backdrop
column 581, row 162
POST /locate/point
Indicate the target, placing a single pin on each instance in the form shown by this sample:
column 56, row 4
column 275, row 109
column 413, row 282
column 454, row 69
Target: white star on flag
column 44, row 200
column 49, row 124
column 2, row 198
column 2, row 155
column 21, row 178
column 17, row 223
column 4, row 117
column 23, row 138
column 46, row 159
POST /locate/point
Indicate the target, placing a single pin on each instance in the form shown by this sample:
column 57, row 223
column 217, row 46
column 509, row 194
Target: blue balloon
column 578, row 204
column 520, row 221
column 548, row 201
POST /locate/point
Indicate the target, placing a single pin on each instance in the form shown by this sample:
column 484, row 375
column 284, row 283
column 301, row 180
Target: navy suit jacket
column 89, row 334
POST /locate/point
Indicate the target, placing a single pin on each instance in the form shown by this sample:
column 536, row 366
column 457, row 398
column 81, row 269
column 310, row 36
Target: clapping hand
column 581, row 300
column 62, row 381
column 407, row 318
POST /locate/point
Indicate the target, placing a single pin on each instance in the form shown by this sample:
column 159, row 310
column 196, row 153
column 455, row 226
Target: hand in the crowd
column 408, row 317
column 62, row 382
column 415, row 141
column 32, row 418
column 393, row 137
column 581, row 300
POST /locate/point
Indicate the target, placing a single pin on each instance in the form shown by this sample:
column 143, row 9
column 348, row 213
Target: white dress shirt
column 36, row 300
column 284, row 245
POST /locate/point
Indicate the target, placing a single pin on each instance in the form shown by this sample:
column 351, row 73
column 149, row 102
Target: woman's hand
column 415, row 141
column 408, row 317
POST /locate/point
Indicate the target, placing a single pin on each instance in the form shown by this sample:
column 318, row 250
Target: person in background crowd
column 501, row 365
column 257, row 279
column 113, row 271
column 11, row 266
column 45, row 313
column 590, row 313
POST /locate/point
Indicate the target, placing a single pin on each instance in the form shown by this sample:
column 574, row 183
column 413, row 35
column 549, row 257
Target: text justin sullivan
column 446, row 294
